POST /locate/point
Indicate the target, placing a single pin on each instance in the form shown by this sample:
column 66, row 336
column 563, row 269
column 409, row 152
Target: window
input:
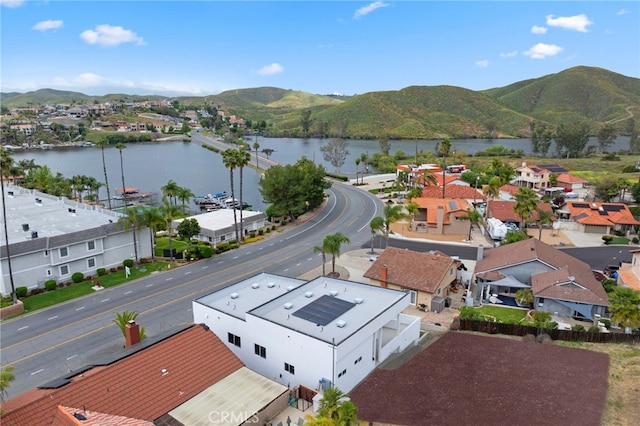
column 439, row 290
column 290, row 368
column 234, row 340
column 412, row 296
column 91, row 245
column 48, row 272
column 342, row 373
column 91, row 263
column 357, row 360
column 222, row 238
column 261, row 351
column 46, row 253
column 64, row 252
column 64, row 270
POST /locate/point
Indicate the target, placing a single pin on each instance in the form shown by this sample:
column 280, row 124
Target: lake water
column 149, row 166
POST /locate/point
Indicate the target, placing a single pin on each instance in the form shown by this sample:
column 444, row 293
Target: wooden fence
column 555, row 334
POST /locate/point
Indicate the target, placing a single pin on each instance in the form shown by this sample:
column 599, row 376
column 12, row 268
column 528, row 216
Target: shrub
column 37, row 291
column 540, row 318
column 128, row 263
column 252, row 234
column 268, row 230
column 205, row 252
column 619, row 233
column 144, row 260
column 21, row 292
column 606, row 323
column 284, row 222
column 594, row 329
column 77, row 277
column 273, row 227
column 577, row 327
column 635, row 240
column 50, row 285
column 101, row 272
column 607, row 239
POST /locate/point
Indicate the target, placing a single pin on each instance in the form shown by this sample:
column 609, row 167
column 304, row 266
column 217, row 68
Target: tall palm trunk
column 124, row 188
column 6, row 238
column 233, row 197
column 241, row 205
column 106, row 180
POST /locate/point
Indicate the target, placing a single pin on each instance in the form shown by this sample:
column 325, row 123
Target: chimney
column 480, row 254
column 383, row 275
column 131, row 334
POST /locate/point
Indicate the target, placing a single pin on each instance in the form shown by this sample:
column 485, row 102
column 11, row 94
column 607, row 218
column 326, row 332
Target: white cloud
column 271, row 69
column 108, row 36
column 509, row 54
column 482, row 64
column 363, row 11
column 575, row 23
column 11, row 3
column 542, row 50
column 538, row 30
column 622, row 12
column 48, row 25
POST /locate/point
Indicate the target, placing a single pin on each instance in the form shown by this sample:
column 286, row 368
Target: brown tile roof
column 567, row 178
column 503, row 210
column 596, row 213
column 449, row 205
column 65, row 417
column 564, row 285
column 411, row 269
column 511, row 189
column 452, row 191
column 532, row 250
column 628, row 278
column 135, row 386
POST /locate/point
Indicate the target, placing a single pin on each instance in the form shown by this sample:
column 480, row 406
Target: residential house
column 25, row 129
column 425, row 275
column 443, row 216
column 319, row 333
column 629, row 275
column 570, row 182
column 599, row 218
column 560, row 283
column 53, row 237
column 218, row 226
column 507, row 192
column 182, row 377
column 464, row 192
column 532, row 176
column 504, row 211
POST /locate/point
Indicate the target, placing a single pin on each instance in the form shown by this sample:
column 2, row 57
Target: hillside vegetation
column 588, row 95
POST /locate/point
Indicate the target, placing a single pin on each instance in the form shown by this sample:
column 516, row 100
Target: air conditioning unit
column 271, row 285
column 234, row 295
column 341, row 323
column 255, row 285
column 288, row 305
column 334, row 293
column 308, row 294
column 358, row 300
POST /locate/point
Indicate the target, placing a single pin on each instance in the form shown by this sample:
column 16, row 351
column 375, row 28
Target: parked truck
column 497, row 229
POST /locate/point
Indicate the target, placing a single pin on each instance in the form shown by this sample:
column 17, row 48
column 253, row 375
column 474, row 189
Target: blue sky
column 346, row 47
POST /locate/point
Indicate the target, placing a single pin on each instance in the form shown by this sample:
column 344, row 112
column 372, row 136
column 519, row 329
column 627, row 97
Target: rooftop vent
column 358, row 300
column 10, row 193
column 234, row 295
column 39, row 201
column 308, row 294
column 34, row 234
column 270, row 284
column 289, row 288
column 288, row 305
column 334, row 293
column 25, row 227
column 341, row 323
column 255, row 285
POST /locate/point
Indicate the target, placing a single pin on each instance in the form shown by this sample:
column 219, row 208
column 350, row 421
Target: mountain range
column 580, row 94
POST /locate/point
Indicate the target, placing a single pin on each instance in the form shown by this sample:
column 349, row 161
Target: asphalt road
column 50, row 343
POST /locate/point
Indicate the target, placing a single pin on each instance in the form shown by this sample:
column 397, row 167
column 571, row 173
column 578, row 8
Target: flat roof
column 50, row 216
column 221, row 219
column 243, row 393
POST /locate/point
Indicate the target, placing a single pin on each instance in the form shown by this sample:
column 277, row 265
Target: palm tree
column 242, row 159
column 229, row 159
column 169, row 213
column 545, row 217
column 6, row 161
column 6, row 377
column 376, row 225
column 334, row 243
column 524, row 296
column 184, row 195
column 122, row 319
column 429, row 178
column 444, row 149
column 335, row 407
column 256, row 146
column 622, row 184
column 526, row 203
column 624, row 307
column 392, row 214
column 170, row 190
column 102, row 143
column 131, row 220
column 357, row 169
column 493, row 188
column 412, row 209
column 151, row 217
column 474, row 217
column 120, row 146
column 323, row 249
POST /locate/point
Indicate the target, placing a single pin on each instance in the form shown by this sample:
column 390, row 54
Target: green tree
column 184, row 195
column 6, row 377
column 305, row 121
column 392, row 214
column 336, row 407
column 170, row 212
column 131, row 220
column 545, row 217
column 230, row 161
column 152, row 217
column 606, row 137
column 514, row 237
column 526, row 204
column 6, row 161
column 385, row 145
column 102, row 143
column 170, row 190
column 120, row 147
column 123, row 318
column 323, row 249
column 571, row 139
column 412, row 208
column 242, row 160
column 335, row 152
column 444, row 149
column 376, row 225
column 188, row 228
column 624, row 308
column 474, row 217
column 333, row 247
column 524, row 296
column 256, row 147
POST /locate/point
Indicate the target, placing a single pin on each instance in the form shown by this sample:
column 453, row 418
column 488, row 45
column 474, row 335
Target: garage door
column 595, row 229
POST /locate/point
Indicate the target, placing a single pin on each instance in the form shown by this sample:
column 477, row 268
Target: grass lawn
column 619, row 240
column 50, row 298
column 510, row 315
column 163, row 244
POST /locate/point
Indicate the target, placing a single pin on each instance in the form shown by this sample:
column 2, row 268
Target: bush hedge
column 21, row 292
column 77, row 277
column 50, row 285
column 101, row 272
column 128, row 263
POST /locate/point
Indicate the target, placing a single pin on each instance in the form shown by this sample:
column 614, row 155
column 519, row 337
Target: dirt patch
column 470, row 379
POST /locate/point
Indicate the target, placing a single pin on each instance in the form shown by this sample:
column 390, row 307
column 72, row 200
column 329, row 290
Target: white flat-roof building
column 53, row 237
column 327, row 331
column 218, row 227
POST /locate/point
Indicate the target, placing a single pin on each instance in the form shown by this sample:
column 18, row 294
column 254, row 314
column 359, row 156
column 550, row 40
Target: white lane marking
column 72, row 357
column 169, row 279
column 22, row 328
column 39, row 371
column 298, row 264
column 127, row 292
column 204, row 267
column 105, row 300
column 52, row 318
column 235, row 257
column 187, row 273
column 80, row 308
column 286, row 270
column 149, row 285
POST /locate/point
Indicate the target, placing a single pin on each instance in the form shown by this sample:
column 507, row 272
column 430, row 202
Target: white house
column 53, row 237
column 319, row 332
column 217, row 226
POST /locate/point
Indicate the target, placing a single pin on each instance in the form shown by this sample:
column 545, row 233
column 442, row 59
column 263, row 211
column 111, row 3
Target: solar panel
column 603, row 213
column 553, row 168
column 580, row 216
column 323, row 310
column 612, row 207
column 580, row 205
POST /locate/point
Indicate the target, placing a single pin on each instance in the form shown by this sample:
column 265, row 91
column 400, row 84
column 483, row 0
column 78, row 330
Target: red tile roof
column 453, row 191
column 511, row 189
column 503, row 210
column 135, row 386
column 595, row 213
column 567, row 178
column 411, row 269
column 449, row 205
